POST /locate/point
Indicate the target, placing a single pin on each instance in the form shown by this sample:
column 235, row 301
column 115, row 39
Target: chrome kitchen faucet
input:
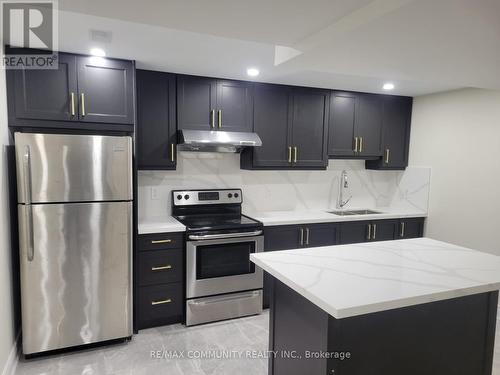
column 344, row 184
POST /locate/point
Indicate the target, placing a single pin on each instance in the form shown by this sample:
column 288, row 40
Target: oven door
column 222, row 265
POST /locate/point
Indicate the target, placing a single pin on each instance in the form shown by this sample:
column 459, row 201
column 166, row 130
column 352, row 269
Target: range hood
column 217, row 140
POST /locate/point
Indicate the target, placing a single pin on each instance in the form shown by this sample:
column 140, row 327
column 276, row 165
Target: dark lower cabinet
column 410, row 228
column 282, row 237
column 395, row 134
column 156, row 120
column 367, row 231
column 159, row 282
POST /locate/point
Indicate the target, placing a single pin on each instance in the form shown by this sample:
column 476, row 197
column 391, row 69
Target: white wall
column 7, row 334
column 457, row 134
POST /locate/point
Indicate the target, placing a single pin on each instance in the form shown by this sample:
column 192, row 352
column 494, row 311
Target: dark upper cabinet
column 45, row 94
column 196, row 103
column 310, row 127
column 106, row 90
column 234, row 106
column 396, row 121
column 341, row 125
column 293, row 125
column 156, row 126
column 368, row 125
column 82, row 93
column 410, row 228
column 211, row 104
column 355, row 126
column 272, row 113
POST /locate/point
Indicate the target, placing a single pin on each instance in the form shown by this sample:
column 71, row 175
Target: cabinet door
column 396, row 134
column 353, row 232
column 320, row 235
column 278, row 238
column 234, row 106
column 46, row 94
column 106, row 90
column 411, row 228
column 282, row 237
column 156, row 133
column 341, row 124
column 272, row 115
column 368, row 125
column 196, row 103
column 309, row 128
column 384, row 230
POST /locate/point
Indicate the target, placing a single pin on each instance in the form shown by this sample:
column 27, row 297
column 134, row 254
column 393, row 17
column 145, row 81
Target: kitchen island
column 415, row 306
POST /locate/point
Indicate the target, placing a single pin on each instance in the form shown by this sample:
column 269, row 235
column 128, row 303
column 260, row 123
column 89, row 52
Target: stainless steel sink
column 354, row 212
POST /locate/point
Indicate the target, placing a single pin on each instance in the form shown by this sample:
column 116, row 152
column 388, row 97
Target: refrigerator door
column 73, row 168
column 77, row 287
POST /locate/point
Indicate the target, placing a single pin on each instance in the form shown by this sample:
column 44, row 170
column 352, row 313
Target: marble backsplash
column 284, row 190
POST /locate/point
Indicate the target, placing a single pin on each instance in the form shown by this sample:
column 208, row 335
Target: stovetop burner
column 211, row 210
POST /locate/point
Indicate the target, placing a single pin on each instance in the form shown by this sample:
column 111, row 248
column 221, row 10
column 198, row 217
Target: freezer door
column 76, row 289
column 73, row 168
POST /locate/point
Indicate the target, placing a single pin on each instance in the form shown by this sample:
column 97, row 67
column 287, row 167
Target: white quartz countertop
column 160, row 225
column 350, row 280
column 323, row 216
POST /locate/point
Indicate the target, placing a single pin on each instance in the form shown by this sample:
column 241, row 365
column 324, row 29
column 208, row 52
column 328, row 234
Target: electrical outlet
column 154, row 193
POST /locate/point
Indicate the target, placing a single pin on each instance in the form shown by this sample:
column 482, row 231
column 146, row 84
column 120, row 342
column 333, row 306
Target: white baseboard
column 13, row 359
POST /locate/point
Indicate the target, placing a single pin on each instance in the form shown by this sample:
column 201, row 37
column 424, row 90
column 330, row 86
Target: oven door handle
column 224, row 235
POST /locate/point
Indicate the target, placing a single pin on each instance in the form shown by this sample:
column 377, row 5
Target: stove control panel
column 199, row 197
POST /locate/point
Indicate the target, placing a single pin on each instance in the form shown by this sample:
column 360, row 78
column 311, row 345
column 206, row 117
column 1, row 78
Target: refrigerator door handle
column 27, row 197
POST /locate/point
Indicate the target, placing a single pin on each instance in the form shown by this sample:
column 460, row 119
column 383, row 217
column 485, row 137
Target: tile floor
column 134, row 358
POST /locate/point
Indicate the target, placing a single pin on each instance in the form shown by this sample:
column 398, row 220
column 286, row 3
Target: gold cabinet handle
column 360, row 144
column 387, row 151
column 301, row 236
column 307, row 236
column 219, row 117
column 82, row 104
column 172, row 152
column 289, row 154
column 72, row 104
column 162, row 302
column 212, row 118
column 161, row 268
column 295, row 152
column 402, row 232
column 355, row 144
column 374, row 231
column 369, row 237
column 160, row 241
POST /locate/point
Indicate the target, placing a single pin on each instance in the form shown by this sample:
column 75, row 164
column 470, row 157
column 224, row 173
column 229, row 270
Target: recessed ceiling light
column 253, row 72
column 388, row 86
column 97, row 52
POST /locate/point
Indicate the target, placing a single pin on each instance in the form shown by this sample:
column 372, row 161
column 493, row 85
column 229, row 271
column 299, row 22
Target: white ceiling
column 423, row 46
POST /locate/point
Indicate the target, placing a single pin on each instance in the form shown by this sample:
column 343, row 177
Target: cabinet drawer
column 160, row 267
column 160, row 304
column 159, row 241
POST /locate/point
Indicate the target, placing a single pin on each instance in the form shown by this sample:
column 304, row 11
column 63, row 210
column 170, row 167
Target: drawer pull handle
column 369, row 237
column 161, row 268
column 162, row 302
column 160, row 241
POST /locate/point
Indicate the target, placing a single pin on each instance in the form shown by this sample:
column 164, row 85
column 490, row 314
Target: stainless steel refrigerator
column 75, row 228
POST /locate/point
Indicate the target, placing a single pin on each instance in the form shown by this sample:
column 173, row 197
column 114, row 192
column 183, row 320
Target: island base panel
column 449, row 337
